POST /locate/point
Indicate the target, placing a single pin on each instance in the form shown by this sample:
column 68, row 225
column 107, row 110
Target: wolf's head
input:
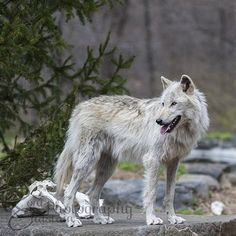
column 181, row 104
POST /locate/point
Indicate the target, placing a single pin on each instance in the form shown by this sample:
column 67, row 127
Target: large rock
column 228, row 179
column 230, row 168
column 183, row 195
column 130, row 192
column 206, row 144
column 215, row 155
column 209, row 143
column 232, row 178
column 123, row 191
column 215, row 170
column 233, row 140
column 199, row 183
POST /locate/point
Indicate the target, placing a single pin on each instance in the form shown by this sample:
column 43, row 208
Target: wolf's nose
column 159, row 122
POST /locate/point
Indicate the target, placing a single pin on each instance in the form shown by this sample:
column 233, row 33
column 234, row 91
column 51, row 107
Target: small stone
column 217, row 207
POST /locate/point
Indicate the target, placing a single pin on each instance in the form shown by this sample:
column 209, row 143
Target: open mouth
column 167, row 128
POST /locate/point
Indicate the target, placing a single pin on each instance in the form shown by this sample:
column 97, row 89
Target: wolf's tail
column 63, row 170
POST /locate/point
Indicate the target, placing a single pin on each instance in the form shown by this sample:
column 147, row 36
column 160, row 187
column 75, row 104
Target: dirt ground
column 225, row 195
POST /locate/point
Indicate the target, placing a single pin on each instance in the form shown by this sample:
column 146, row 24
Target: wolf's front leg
column 171, row 168
column 151, row 177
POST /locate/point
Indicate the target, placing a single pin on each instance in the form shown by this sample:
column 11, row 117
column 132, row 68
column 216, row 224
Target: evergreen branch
column 30, row 39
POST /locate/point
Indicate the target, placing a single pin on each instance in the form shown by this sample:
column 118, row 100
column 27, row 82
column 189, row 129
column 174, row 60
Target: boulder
column 130, row 192
column 231, row 168
column 233, row 140
column 214, row 155
column 183, row 195
column 200, row 184
column 215, row 170
column 123, row 191
column 228, row 144
column 228, row 180
column 232, row 178
column 206, row 144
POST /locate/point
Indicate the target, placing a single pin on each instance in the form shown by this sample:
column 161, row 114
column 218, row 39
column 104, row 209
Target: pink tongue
column 164, row 129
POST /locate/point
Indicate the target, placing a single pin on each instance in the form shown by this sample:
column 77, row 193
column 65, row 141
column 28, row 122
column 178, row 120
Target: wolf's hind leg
column 69, row 196
column 82, row 168
column 171, row 168
column 105, row 168
column 149, row 198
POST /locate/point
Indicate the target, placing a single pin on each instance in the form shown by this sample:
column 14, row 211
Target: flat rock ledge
column 126, row 224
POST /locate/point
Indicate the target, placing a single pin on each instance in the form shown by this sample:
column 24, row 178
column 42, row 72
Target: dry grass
column 225, row 195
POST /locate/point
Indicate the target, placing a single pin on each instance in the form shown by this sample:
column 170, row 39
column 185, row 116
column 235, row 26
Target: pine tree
column 31, row 78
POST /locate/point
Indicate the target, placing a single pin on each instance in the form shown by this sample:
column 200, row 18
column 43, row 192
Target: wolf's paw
column 176, row 219
column 73, row 222
column 103, row 220
column 153, row 220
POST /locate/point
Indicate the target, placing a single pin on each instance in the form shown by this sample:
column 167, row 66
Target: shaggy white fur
column 105, row 129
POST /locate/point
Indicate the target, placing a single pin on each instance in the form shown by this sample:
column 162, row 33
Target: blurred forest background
column 54, row 54
column 170, row 38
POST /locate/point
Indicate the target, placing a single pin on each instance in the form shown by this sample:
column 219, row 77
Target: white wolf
column 102, row 130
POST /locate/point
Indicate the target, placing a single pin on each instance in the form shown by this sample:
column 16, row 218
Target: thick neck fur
column 185, row 136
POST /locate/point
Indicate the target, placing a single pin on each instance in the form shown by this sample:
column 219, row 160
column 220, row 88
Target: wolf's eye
column 163, row 104
column 173, row 103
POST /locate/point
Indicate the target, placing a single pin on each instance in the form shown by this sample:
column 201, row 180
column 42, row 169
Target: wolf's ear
column 187, row 84
column 165, row 82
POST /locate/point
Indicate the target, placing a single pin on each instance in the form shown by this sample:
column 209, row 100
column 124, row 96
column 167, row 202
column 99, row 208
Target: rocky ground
column 131, row 223
column 224, row 192
column 210, row 175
